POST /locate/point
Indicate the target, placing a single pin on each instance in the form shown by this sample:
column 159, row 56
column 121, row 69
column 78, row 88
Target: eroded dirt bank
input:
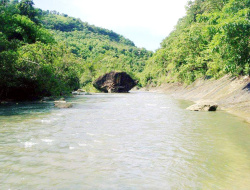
column 231, row 94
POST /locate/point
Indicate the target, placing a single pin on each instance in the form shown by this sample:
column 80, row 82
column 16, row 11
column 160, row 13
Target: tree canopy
column 44, row 53
column 210, row 41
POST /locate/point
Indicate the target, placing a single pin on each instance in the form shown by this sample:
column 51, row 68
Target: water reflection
column 24, row 108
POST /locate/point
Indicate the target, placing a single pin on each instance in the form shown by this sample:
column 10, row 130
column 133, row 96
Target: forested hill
column 58, row 21
column 212, row 40
column 45, row 53
column 100, row 50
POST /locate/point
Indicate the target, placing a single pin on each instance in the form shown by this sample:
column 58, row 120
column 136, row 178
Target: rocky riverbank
column 231, row 94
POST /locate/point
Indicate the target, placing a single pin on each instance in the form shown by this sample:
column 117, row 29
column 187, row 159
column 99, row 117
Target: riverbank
column 231, row 94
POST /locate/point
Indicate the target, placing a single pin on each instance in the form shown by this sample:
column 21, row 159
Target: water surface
column 122, row 141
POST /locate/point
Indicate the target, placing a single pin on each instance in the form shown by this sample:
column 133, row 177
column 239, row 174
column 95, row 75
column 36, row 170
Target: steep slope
column 207, row 56
column 231, row 94
column 210, row 41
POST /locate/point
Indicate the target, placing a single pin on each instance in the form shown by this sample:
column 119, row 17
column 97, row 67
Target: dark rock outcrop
column 115, row 82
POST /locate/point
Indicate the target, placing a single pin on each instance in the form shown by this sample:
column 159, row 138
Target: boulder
column 80, row 90
column 62, row 104
column 115, row 82
column 203, row 106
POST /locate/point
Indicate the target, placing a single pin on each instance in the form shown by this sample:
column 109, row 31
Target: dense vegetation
column 100, row 50
column 212, row 40
column 45, row 53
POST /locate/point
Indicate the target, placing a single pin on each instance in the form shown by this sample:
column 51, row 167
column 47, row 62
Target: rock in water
column 203, row 106
column 62, row 104
column 115, row 82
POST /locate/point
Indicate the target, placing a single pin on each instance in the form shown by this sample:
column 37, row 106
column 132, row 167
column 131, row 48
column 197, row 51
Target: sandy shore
column 231, row 94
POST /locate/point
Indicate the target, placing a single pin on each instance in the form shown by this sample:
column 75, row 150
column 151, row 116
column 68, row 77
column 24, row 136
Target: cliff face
column 231, row 94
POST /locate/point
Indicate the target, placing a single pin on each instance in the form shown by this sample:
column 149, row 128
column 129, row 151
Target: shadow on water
column 35, row 107
column 25, row 108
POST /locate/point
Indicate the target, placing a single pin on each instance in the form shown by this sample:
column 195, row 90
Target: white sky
column 145, row 22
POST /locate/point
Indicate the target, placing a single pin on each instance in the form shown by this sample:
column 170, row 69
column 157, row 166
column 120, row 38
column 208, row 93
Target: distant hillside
column 62, row 22
column 101, row 50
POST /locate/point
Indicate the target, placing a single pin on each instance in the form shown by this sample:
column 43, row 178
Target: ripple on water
column 82, row 144
column 45, row 121
column 29, row 144
column 149, row 142
column 48, row 141
column 90, row 134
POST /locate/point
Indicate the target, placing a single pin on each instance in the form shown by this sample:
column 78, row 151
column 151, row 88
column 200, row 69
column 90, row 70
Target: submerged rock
column 62, row 104
column 203, row 106
column 115, row 82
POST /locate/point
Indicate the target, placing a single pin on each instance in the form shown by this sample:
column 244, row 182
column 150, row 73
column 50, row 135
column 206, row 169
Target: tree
column 210, row 41
column 26, row 8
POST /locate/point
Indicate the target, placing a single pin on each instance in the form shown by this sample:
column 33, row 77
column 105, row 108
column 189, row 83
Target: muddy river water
column 139, row 140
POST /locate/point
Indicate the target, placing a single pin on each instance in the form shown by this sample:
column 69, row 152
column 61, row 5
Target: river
column 139, row 140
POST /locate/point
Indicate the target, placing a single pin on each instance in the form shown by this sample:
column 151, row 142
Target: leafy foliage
column 32, row 63
column 62, row 22
column 45, row 53
column 100, row 50
column 210, row 41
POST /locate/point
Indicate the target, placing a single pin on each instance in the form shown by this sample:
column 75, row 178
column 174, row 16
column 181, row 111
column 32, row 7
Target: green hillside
column 55, row 21
column 45, row 53
column 101, row 50
column 210, row 41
